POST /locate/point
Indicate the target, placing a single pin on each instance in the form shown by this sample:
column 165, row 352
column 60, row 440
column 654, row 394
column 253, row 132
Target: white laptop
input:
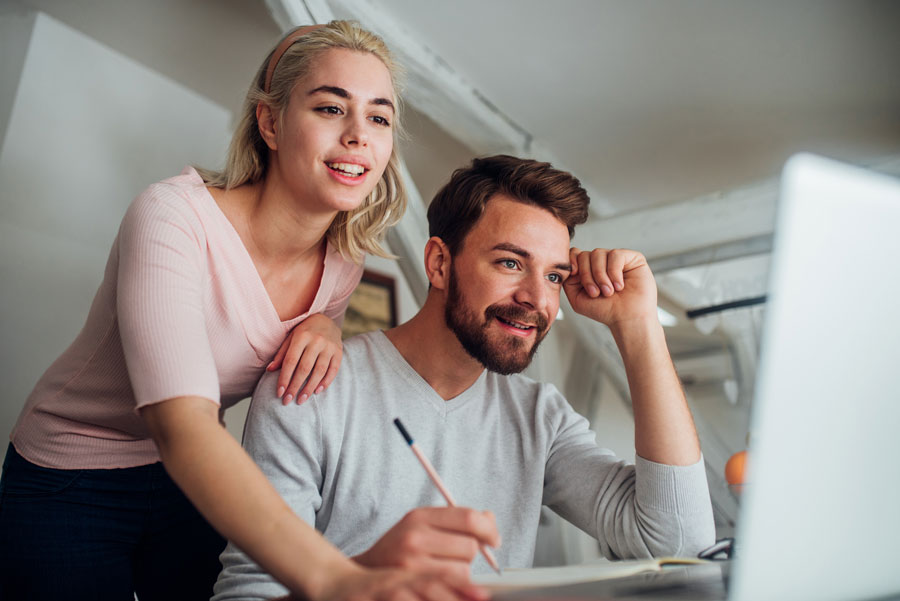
column 820, row 515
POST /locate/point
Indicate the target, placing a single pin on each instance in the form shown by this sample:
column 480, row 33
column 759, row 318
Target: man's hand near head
column 434, row 540
column 617, row 289
column 611, row 286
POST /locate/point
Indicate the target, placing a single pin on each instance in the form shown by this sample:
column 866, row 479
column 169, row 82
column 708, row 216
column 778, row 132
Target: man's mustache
column 516, row 313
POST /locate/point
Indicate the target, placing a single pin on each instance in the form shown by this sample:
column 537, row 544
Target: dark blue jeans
column 101, row 534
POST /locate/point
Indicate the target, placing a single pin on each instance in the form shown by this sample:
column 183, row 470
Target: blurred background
column 677, row 117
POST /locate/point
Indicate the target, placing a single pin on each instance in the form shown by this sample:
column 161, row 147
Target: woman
column 212, row 278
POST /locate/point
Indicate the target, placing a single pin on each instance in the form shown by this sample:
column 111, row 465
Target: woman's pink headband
column 282, row 48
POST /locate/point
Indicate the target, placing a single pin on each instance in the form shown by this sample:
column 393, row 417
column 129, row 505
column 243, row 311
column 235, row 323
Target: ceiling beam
column 698, row 226
column 712, row 228
column 433, row 86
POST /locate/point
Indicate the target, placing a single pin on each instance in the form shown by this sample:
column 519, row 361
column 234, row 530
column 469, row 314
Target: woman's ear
column 437, row 262
column 266, row 122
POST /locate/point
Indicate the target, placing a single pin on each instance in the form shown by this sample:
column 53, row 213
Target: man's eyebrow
column 518, row 250
column 342, row 93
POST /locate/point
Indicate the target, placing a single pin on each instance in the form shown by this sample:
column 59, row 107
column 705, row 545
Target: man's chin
column 506, row 361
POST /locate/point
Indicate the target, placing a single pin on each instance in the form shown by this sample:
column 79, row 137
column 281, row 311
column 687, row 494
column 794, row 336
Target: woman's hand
column 311, row 352
column 400, row 585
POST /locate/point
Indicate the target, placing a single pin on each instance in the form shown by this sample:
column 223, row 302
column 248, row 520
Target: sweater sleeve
column 635, row 511
column 160, row 311
column 285, row 442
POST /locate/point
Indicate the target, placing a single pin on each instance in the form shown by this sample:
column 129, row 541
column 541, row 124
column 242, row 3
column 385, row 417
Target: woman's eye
column 329, row 110
column 381, row 120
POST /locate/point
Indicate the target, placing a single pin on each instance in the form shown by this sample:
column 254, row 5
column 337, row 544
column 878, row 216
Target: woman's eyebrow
column 342, row 93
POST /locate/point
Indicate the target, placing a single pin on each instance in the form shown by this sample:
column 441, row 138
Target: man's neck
column 433, row 350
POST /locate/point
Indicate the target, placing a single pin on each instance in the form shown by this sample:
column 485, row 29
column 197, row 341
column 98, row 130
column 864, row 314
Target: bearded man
column 497, row 260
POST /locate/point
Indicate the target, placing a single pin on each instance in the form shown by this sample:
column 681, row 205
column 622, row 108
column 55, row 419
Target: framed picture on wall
column 373, row 305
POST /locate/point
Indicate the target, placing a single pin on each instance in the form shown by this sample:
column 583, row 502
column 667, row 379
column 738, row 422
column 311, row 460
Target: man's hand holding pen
column 441, row 540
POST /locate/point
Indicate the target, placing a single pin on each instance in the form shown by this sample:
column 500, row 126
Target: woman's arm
column 232, row 493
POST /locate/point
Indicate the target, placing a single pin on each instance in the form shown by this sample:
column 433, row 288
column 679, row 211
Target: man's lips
column 516, row 320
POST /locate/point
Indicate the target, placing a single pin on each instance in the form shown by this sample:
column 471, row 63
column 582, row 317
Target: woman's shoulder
column 181, row 200
column 180, row 191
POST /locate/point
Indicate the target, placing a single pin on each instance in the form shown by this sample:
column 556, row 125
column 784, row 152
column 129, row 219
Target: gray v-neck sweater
column 507, row 444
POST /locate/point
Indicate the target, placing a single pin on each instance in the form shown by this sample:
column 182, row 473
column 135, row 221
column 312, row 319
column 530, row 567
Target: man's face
column 505, row 281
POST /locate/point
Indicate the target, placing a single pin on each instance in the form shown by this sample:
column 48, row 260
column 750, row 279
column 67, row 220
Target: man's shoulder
column 364, row 352
column 361, row 358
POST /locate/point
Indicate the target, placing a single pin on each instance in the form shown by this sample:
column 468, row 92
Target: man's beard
column 507, row 356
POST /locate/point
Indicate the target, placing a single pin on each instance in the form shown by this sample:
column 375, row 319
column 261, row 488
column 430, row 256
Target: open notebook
column 513, row 579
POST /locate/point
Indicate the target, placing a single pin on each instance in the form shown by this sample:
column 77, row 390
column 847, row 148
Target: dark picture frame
column 373, row 305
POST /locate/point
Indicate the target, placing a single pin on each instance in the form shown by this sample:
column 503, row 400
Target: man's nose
column 534, row 293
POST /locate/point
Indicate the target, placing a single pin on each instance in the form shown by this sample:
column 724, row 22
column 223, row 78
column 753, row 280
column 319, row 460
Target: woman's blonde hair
column 355, row 232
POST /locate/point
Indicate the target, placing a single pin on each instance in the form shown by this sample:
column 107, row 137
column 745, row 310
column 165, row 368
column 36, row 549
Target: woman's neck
column 273, row 227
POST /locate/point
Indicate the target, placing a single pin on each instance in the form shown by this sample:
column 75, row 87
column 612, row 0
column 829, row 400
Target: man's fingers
column 592, row 272
column 573, row 259
column 481, row 525
column 615, row 267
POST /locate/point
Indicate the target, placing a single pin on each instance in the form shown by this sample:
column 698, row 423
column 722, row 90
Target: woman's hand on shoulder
column 311, row 353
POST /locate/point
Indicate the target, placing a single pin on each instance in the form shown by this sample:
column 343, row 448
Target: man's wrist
column 637, row 331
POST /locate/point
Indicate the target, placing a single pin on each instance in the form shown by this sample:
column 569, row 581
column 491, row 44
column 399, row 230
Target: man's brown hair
column 460, row 203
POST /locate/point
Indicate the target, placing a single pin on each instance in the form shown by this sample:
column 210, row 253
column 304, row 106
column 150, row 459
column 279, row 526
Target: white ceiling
column 652, row 102
column 648, row 102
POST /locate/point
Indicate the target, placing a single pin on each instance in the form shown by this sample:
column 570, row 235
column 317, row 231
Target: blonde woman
column 212, row 278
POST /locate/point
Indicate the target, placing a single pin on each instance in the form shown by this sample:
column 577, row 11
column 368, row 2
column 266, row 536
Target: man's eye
column 509, row 263
column 555, row 278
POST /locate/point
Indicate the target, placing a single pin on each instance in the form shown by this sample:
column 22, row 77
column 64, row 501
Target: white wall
column 86, row 130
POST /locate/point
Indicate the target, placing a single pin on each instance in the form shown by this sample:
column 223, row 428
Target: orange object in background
column 736, row 467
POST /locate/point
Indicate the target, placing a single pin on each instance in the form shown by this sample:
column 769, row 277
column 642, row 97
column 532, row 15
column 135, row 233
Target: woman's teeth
column 348, row 169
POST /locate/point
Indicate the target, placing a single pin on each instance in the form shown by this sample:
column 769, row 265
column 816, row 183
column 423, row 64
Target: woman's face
column 336, row 134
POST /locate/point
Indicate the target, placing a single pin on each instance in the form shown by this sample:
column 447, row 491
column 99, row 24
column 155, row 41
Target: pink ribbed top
column 181, row 311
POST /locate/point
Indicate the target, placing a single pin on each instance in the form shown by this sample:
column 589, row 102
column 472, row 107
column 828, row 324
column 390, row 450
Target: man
column 497, row 260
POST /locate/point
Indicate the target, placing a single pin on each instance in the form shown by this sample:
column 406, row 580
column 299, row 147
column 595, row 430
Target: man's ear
column 437, row 262
column 266, row 122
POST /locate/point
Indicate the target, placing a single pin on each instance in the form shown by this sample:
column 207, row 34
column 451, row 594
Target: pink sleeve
column 160, row 308
column 348, row 279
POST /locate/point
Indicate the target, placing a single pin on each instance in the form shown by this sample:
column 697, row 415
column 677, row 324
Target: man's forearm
column 663, row 427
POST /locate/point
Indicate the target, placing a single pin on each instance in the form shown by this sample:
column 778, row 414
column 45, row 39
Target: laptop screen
column 820, row 515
